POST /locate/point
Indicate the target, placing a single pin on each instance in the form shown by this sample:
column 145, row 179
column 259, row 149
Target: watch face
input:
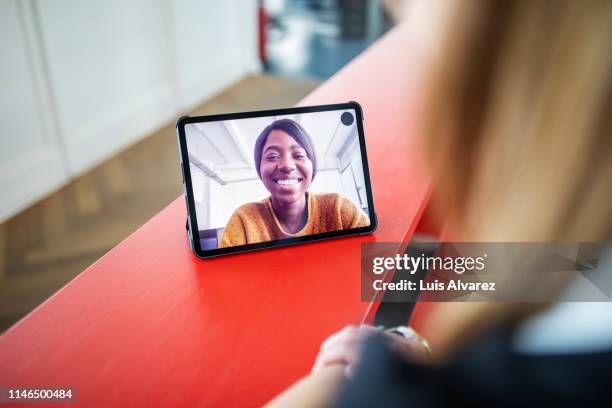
column 405, row 332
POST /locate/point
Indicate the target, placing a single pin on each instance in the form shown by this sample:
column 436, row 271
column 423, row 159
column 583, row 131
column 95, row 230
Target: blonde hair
column 518, row 124
column 520, row 100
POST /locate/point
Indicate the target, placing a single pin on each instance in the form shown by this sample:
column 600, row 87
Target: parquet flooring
column 48, row 244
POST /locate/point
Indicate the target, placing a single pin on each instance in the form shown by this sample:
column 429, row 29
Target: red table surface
column 150, row 324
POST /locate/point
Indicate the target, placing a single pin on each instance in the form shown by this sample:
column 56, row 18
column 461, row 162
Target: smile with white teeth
column 288, row 182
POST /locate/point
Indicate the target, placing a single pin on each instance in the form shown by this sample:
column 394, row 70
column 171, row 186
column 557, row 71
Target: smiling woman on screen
column 286, row 164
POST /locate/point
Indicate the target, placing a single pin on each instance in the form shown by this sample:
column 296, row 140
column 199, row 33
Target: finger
column 347, row 337
column 343, row 353
column 347, row 333
column 349, row 371
column 338, row 337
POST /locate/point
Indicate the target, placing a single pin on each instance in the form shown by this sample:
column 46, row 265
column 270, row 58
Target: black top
column 488, row 374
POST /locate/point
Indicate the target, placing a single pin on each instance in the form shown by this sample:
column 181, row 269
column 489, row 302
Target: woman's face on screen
column 286, row 170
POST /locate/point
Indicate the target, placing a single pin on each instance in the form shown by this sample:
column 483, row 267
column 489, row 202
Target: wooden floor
column 47, row 245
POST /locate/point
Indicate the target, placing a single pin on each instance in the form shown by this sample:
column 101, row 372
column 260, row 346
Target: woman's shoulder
column 334, row 199
column 327, row 197
column 350, row 214
column 248, row 209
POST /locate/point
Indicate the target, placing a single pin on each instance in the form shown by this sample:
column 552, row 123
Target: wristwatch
column 409, row 333
column 405, row 332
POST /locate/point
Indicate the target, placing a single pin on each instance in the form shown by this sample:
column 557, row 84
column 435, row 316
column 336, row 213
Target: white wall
column 224, row 200
column 353, row 178
column 81, row 80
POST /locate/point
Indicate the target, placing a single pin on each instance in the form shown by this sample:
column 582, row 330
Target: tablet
column 255, row 180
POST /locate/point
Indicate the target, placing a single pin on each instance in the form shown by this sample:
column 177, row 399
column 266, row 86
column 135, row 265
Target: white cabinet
column 81, row 80
column 109, row 68
column 31, row 161
column 214, row 40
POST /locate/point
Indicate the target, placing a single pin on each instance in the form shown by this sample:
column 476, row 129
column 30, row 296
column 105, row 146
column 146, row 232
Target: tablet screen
column 265, row 179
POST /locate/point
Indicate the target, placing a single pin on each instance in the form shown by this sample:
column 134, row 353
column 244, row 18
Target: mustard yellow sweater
column 256, row 222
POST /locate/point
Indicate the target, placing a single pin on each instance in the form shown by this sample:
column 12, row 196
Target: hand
column 346, row 346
